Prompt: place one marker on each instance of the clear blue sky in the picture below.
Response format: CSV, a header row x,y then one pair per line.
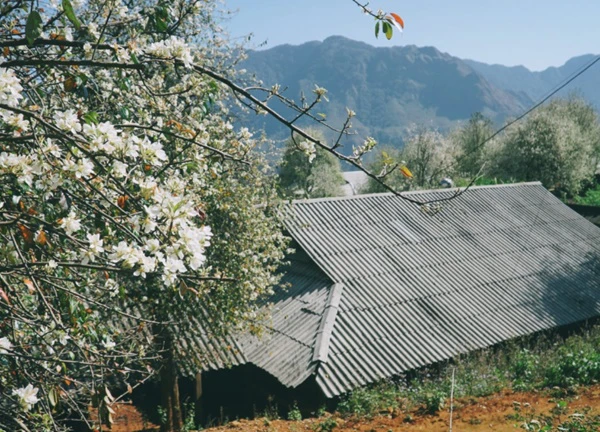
x,y
533,33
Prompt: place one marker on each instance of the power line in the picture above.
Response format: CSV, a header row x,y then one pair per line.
x,y
556,89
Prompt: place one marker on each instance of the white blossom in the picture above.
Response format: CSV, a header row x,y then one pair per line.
x,y
83,168
67,121
172,267
94,248
63,338
147,265
17,121
108,344
172,48
71,224
5,345
27,396
119,169
10,88
152,152
308,147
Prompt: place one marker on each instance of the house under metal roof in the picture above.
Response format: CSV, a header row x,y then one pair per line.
x,y
378,287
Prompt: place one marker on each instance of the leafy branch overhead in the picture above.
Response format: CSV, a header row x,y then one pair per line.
x,y
384,21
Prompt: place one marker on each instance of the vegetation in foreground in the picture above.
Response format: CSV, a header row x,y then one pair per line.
x,y
544,383
560,364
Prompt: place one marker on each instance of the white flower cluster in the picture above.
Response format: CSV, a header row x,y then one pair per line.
x,y
189,249
10,88
70,223
23,167
367,146
172,48
5,345
67,121
102,137
308,148
188,244
27,396
10,94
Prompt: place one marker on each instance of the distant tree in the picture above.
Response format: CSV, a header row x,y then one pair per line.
x,y
468,143
309,172
557,145
428,154
385,158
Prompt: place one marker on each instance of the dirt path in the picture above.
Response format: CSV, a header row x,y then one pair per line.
x,y
502,412
499,413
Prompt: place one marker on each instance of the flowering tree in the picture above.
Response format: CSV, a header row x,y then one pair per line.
x,y
557,145
128,202
119,169
318,175
467,141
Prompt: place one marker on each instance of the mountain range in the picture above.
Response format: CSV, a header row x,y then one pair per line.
x,y
393,88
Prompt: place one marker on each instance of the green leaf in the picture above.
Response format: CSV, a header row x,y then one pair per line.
x,y
53,396
161,25
124,113
161,19
388,30
70,13
33,27
91,117
134,59
377,29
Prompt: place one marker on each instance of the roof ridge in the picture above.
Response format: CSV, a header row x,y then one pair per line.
x,y
321,350
414,192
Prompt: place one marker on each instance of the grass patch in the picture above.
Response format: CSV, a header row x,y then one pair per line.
x,y
591,197
528,364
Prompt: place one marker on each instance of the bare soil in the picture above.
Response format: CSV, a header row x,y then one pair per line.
x,y
502,412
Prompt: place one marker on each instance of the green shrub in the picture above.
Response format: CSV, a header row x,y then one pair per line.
x,y
434,400
591,197
294,414
526,364
326,425
523,369
368,401
574,368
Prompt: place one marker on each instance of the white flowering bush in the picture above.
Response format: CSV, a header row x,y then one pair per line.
x,y
428,153
557,145
127,201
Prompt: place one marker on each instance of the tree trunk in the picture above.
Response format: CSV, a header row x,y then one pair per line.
x,y
170,391
199,411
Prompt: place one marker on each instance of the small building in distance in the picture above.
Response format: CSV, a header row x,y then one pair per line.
x,y
378,287
355,181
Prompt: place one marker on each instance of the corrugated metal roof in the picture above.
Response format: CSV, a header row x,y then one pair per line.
x,y
379,287
496,263
212,351
286,348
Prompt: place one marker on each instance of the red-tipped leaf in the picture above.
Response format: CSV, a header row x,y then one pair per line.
x,y
397,19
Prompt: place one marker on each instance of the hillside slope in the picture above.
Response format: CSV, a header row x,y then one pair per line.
x,y
536,85
389,88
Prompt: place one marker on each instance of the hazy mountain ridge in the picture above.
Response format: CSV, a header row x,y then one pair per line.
x,y
392,88
537,84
